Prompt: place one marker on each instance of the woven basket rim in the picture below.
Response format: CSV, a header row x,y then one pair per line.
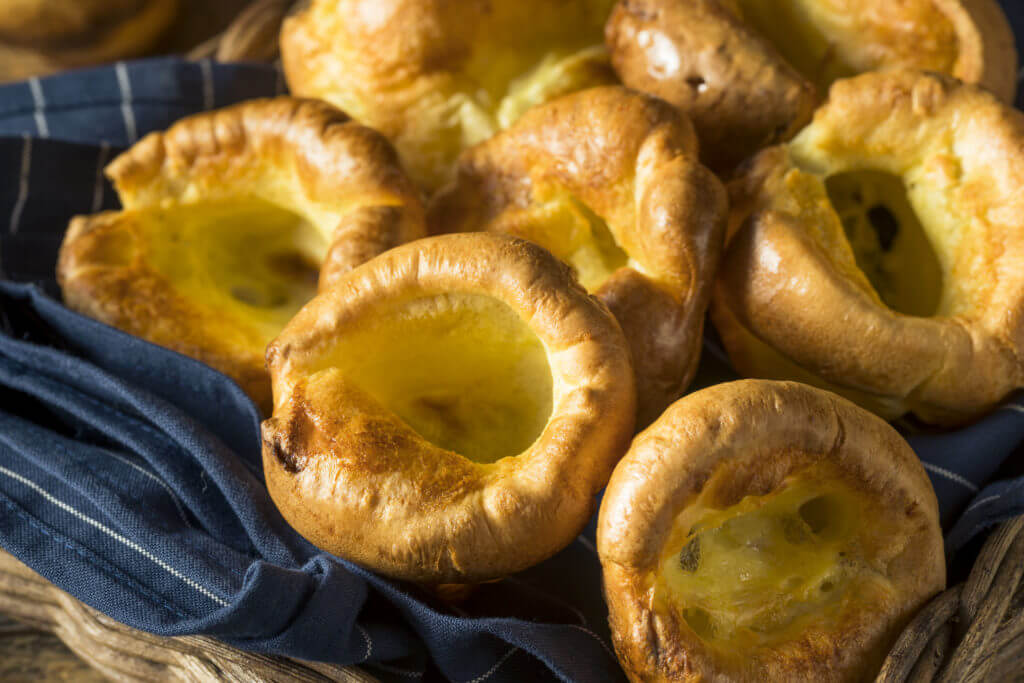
x,y
124,653
252,37
972,631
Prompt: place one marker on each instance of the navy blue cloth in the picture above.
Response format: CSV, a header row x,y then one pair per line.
x,y
130,475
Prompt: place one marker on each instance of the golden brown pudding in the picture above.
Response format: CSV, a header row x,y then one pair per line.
x,y
878,254
447,412
229,220
438,76
608,180
766,531
42,36
750,72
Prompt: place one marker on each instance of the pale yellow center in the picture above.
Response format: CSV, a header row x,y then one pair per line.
x,y
572,232
830,39
760,571
463,370
530,53
246,260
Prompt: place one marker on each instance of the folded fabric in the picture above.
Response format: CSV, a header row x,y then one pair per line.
x,y
130,475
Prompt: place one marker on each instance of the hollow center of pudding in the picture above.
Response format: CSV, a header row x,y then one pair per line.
x,y
248,260
571,231
891,246
758,571
463,370
834,39
530,53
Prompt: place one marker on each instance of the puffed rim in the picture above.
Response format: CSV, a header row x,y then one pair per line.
x,y
105,34
631,159
652,45
789,284
988,54
400,65
304,156
357,481
742,94
761,432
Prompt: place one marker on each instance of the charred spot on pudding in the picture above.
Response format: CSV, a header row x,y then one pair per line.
x,y
689,557
291,463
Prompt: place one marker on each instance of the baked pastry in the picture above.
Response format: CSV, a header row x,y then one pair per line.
x,y
448,411
749,72
42,36
766,531
608,180
228,217
879,253
437,76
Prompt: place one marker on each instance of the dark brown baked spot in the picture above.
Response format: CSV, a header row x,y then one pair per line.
x,y
689,558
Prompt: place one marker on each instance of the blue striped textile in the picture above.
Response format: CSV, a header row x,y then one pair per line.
x,y
130,475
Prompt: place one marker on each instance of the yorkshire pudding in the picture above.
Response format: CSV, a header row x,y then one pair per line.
x,y
749,72
608,180
41,36
766,531
447,412
880,253
437,76
227,218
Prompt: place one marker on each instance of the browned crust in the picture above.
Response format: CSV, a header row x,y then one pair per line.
x,y
988,53
41,36
301,155
701,57
757,433
782,281
403,66
132,297
357,481
630,158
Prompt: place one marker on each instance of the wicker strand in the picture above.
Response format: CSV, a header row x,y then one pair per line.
x,y
974,631
125,654
967,663
252,37
913,644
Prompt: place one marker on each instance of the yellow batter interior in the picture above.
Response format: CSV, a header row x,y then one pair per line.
x,y
249,260
760,571
463,370
529,53
888,240
830,39
571,231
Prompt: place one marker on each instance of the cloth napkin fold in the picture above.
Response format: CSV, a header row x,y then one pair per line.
x,y
130,475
